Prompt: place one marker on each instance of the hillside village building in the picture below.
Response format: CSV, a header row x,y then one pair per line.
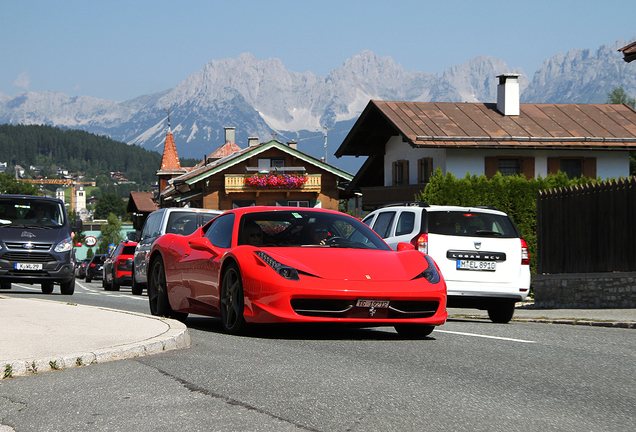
x,y
233,177
407,141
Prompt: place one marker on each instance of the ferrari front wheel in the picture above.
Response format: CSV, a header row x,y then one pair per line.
x,y
232,301
414,331
158,293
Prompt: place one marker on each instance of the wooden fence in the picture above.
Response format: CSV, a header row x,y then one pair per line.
x,y
587,229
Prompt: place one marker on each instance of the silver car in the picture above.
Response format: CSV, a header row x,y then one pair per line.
x,y
175,220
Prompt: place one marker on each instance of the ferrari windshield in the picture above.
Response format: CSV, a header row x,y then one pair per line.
x,y
305,228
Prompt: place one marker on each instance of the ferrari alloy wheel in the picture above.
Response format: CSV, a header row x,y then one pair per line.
x,y
47,288
68,288
232,301
414,331
158,294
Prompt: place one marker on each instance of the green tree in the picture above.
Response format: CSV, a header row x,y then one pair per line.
x,y
111,234
110,203
619,96
9,185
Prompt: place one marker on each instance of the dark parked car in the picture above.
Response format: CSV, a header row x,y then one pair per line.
x,y
36,244
80,268
94,269
118,266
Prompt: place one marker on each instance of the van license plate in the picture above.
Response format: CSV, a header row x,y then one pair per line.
x,y
476,265
28,266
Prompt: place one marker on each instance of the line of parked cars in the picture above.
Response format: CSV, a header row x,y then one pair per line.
x,y
475,253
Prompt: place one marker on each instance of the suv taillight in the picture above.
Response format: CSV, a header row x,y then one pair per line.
x,y
525,256
421,242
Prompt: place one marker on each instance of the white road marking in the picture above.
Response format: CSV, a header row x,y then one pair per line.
x,y
485,336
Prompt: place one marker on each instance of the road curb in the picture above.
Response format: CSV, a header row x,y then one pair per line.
x,y
567,321
176,337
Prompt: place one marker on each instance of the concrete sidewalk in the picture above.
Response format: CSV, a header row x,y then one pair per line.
x,y
526,311
43,335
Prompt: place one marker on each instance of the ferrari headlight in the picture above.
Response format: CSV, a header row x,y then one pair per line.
x,y
64,246
285,271
431,274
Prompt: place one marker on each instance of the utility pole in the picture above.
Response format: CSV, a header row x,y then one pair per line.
x,y
325,136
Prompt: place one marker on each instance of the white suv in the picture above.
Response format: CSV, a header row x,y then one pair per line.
x,y
479,250
175,220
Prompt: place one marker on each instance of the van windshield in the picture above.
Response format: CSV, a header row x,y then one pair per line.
x,y
34,213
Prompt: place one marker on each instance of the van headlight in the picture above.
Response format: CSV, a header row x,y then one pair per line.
x,y
65,245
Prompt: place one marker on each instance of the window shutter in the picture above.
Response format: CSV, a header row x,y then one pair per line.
x,y
588,168
554,165
527,167
406,178
491,166
394,173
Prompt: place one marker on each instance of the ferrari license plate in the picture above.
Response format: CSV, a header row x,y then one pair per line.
x,y
476,265
380,304
28,266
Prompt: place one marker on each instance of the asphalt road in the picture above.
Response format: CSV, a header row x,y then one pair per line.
x,y
468,376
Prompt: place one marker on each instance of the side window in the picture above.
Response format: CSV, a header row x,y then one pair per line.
x,y
207,217
368,220
151,226
405,223
383,224
220,231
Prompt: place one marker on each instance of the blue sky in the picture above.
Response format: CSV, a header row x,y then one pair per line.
x,y
122,49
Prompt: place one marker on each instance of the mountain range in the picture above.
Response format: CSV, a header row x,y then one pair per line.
x,y
260,98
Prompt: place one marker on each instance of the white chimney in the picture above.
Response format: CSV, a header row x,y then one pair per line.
x,y
230,134
293,144
252,141
508,94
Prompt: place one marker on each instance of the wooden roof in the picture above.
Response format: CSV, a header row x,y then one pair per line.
x,y
480,125
629,52
141,202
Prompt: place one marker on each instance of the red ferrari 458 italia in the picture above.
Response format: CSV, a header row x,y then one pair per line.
x,y
289,265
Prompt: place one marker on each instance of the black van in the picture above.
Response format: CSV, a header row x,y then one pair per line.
x,y
36,243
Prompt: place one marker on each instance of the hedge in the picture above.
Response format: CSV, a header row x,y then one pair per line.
x,y
513,194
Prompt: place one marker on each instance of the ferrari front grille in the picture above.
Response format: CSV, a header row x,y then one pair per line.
x,y
336,308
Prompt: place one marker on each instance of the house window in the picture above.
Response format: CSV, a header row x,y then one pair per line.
x,y
400,173
243,203
298,203
270,163
510,166
425,170
572,167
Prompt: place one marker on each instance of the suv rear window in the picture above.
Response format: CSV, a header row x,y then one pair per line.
x,y
128,250
471,224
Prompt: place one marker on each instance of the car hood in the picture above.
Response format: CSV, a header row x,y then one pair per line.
x,y
351,264
34,235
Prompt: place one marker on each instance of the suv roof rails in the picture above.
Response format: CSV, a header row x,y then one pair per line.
x,y
407,204
487,207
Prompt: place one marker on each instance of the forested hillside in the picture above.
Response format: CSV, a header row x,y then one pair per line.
x,y
78,152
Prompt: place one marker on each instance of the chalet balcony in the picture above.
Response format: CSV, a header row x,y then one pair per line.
x,y
377,196
237,183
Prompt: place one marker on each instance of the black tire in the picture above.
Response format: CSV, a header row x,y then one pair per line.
x,y
5,286
158,294
232,301
88,280
47,288
414,331
137,288
68,288
501,311
114,286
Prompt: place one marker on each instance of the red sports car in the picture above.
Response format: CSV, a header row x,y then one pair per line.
x,y
286,265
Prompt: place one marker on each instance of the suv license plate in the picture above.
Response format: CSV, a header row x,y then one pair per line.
x,y
28,266
476,265
381,304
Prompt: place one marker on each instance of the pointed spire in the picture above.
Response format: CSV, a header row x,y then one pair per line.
x,y
170,159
